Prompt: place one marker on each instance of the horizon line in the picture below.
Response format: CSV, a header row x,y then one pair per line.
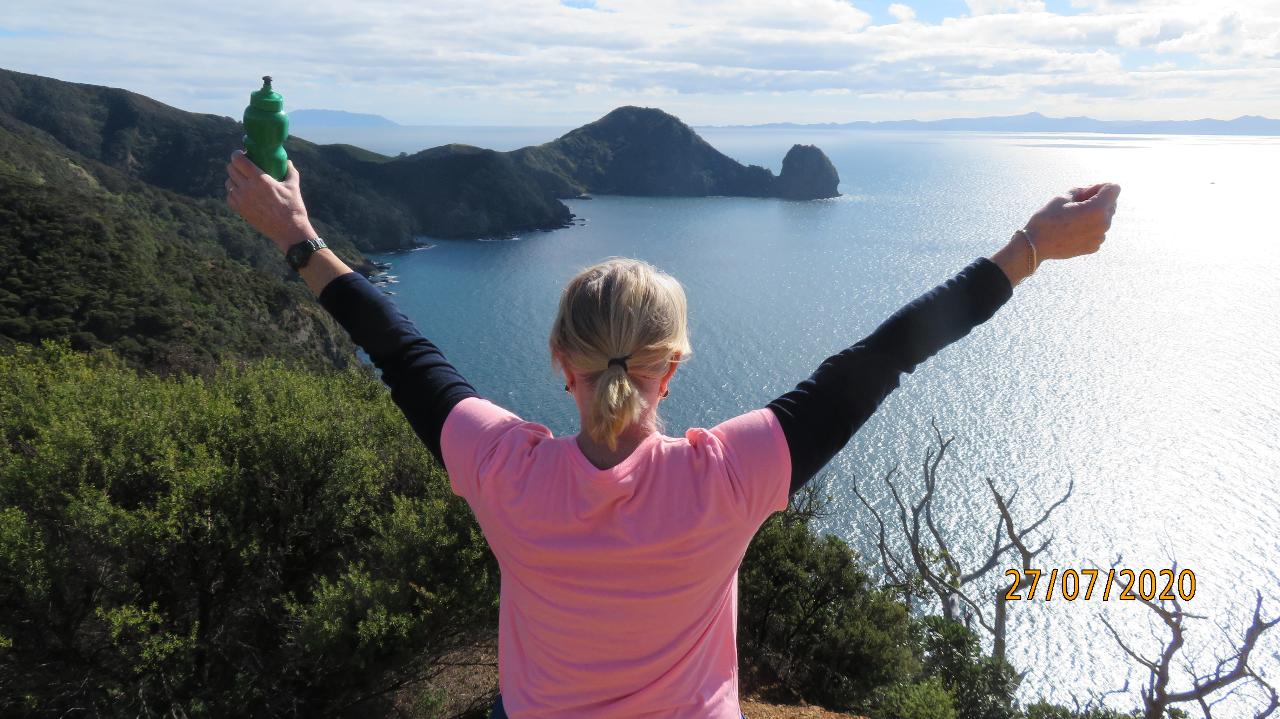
x,y
1033,114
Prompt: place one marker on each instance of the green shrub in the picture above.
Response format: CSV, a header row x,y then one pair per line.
x,y
1044,710
928,699
261,542
983,687
812,625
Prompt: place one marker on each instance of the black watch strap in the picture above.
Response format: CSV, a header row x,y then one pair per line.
x,y
300,253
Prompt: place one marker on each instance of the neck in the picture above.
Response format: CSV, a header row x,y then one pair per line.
x,y
599,454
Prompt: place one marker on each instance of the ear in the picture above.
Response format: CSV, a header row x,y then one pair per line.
x,y
557,360
671,370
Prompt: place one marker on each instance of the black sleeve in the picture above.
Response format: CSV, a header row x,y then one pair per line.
x,y
423,383
820,415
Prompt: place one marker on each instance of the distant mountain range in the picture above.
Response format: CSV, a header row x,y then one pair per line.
x,y
1029,122
1035,122
337,118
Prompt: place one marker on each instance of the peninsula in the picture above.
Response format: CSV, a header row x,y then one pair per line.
x,y
383,203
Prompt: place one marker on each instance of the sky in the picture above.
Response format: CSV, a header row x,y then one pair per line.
x,y
566,62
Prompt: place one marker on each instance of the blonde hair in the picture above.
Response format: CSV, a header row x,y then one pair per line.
x,y
619,308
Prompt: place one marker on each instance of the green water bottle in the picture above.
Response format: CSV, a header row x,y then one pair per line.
x,y
265,128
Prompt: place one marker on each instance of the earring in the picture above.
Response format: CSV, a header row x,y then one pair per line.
x,y
566,388
665,392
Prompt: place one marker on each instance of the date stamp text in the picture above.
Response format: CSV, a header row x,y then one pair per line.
x,y
1122,584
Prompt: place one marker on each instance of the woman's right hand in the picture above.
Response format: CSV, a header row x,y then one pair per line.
x,y
274,208
1074,224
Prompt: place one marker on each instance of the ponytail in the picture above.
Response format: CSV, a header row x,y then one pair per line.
x,y
616,405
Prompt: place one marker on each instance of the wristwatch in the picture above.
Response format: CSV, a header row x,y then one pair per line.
x,y
300,254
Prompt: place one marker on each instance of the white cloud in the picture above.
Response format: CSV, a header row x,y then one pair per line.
x,y
902,13
989,7
538,61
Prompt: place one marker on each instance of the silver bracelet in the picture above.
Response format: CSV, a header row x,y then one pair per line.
x,y
1033,262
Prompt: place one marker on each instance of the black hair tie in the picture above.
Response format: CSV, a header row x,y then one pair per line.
x,y
619,361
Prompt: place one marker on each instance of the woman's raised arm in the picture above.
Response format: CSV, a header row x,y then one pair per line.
x,y
422,382
821,414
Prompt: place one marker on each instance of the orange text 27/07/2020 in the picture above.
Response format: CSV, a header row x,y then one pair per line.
x,y
1123,584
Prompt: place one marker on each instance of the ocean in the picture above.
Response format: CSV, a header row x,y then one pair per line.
x,y
1147,376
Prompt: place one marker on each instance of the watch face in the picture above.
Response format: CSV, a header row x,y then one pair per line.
x,y
300,253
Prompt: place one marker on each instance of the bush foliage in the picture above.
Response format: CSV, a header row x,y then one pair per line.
x,y
983,687
265,541
812,624
814,627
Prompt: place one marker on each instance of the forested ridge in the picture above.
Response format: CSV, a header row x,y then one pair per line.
x,y
172,283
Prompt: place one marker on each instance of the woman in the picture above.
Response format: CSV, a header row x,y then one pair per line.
x,y
619,546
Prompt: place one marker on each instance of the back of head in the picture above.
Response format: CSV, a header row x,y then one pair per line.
x,y
620,308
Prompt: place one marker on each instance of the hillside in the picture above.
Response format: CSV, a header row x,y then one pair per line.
x,y
381,203
358,195
171,282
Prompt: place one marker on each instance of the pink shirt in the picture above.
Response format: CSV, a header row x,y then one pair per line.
x,y
619,586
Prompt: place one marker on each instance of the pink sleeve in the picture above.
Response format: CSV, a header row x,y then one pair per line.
x,y
471,439
759,461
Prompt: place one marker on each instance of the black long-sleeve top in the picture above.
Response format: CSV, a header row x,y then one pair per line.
x,y
818,417
422,382
821,414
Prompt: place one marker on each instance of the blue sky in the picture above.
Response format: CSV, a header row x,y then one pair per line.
x,y
562,62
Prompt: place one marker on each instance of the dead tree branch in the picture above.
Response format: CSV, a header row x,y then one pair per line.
x,y
1228,672
917,557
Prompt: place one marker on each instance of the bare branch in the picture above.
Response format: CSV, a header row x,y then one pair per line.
x,y
1228,672
1211,683
924,557
1126,648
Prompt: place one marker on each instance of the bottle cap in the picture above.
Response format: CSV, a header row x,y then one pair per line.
x,y
266,98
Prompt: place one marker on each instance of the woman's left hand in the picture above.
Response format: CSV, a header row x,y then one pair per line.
x,y
272,207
